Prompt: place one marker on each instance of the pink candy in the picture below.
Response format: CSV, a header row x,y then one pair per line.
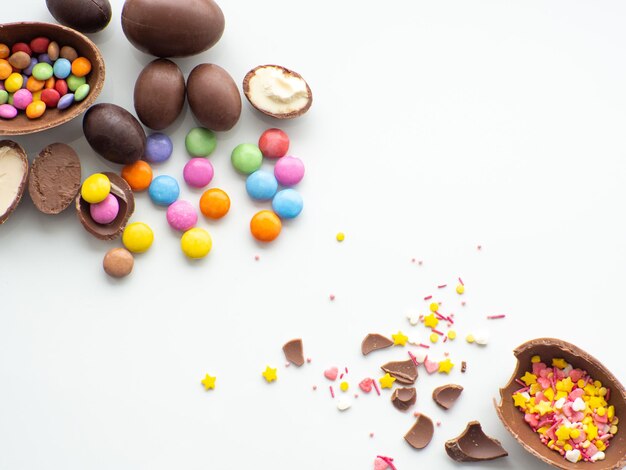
x,y
181,215
7,111
331,373
106,211
198,172
289,171
22,98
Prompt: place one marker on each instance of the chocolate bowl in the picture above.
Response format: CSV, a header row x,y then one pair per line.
x,y
12,33
513,418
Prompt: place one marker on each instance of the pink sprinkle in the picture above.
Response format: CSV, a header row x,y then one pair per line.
x,y
332,297
356,395
608,394
256,258
461,281
332,392
314,387
445,338
440,316
438,423
388,461
412,260
413,358
495,317
428,297
371,434
522,390
479,247
308,359
341,377
376,387
520,382
420,262
287,364
463,303
437,331
346,369
422,345
442,286
446,354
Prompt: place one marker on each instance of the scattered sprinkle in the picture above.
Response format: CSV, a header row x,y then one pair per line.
x,y
445,366
257,258
340,237
428,297
343,404
442,286
399,339
314,387
331,373
344,386
332,392
434,337
451,334
463,366
495,317
308,360
332,297
460,289
434,306
470,338
461,282
208,382
269,374
386,381
376,387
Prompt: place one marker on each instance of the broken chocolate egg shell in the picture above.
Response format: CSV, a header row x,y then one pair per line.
x,y
126,199
13,177
420,435
446,395
294,352
405,372
403,398
374,342
513,419
277,91
473,445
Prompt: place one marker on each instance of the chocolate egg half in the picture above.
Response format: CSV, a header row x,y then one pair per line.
x,y
86,16
13,177
159,94
513,419
213,97
172,28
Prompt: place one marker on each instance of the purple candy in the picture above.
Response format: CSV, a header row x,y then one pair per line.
x,y
159,148
7,111
2,85
106,211
22,98
181,215
29,70
45,58
198,172
66,101
289,171
24,80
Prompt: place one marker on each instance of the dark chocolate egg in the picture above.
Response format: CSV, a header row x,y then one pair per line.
x,y
213,97
172,28
159,94
86,16
114,133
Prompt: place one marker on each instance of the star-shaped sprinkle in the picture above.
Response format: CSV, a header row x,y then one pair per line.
x,y
565,385
544,407
208,382
270,374
560,363
399,339
386,381
529,378
446,366
563,433
520,400
431,321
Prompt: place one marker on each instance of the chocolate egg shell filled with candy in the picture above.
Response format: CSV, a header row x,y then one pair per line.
x,y
13,177
513,419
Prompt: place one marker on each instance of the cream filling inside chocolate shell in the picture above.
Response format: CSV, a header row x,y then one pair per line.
x,y
11,175
277,92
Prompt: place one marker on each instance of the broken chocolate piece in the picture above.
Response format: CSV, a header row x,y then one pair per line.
x,y
405,372
404,398
294,352
374,342
473,445
463,366
13,177
446,395
421,433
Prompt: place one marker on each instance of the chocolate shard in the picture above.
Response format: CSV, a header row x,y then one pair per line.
x,y
294,352
446,395
420,435
403,398
374,342
473,445
405,372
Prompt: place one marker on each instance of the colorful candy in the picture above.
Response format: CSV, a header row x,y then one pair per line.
x,y
200,142
181,215
137,237
287,204
138,175
246,158
289,171
95,188
265,226
106,211
214,203
196,243
198,172
164,190
274,143
159,148
261,185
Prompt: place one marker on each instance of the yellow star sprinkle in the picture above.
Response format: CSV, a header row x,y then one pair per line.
x,y
529,378
208,382
535,359
560,363
549,394
520,400
563,433
387,381
434,307
566,385
270,374
431,321
399,339
544,407
446,366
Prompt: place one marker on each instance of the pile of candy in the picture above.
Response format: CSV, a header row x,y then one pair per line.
x,y
40,75
568,409
104,206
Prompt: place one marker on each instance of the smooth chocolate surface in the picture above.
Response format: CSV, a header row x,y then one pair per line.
x,y
118,262
473,445
172,28
405,372
404,398
446,395
294,352
159,94
421,433
54,178
213,97
14,197
86,16
114,133
121,190
374,342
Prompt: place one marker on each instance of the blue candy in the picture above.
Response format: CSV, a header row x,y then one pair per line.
x,y
66,101
163,190
29,70
159,148
287,204
62,68
261,185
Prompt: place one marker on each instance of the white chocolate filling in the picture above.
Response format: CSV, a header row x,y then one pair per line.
x,y
12,171
277,92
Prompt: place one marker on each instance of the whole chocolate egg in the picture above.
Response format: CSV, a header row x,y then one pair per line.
x,y
114,133
86,16
159,94
213,97
172,28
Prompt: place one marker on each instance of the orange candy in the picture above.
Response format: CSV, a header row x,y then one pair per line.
x,y
265,226
6,69
49,84
81,67
138,175
5,52
214,203
35,109
33,85
37,96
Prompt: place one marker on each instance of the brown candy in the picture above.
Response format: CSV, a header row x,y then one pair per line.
x,y
118,262
473,445
374,342
69,53
20,60
404,398
14,171
405,372
446,395
294,352
420,435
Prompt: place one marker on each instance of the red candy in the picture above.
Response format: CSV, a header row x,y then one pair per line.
x,y
274,143
40,45
61,87
21,46
51,97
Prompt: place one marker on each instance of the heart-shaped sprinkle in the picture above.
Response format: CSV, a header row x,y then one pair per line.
x,y
431,366
578,405
331,373
366,385
573,455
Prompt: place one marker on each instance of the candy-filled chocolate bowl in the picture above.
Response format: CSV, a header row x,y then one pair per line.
x,y
50,74
565,407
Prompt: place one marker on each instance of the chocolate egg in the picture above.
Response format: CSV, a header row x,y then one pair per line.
x,y
114,133
172,28
213,97
86,16
54,178
13,177
159,94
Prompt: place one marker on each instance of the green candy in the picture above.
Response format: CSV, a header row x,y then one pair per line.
x,y
4,97
42,71
81,92
246,158
73,82
200,142
10,100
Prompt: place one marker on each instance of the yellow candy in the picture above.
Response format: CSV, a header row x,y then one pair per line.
x,y
14,82
434,337
586,444
344,386
535,359
600,444
196,243
543,429
549,394
96,188
560,395
137,237
529,378
431,321
580,383
602,391
560,363
601,411
460,289
613,429
567,447
574,433
563,433
470,338
610,413
520,400
434,307
597,383
592,431
341,237
451,334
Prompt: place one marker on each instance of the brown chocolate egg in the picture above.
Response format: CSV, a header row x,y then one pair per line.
x,y
213,97
172,28
114,133
159,94
513,419
13,177
86,16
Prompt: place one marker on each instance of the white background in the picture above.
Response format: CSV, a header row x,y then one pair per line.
x,y
436,127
